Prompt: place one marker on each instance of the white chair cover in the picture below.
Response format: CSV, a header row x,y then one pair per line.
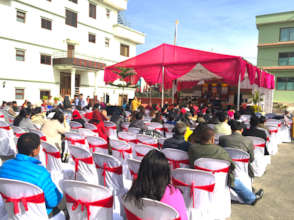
x,y
216,138
245,119
84,166
278,124
176,158
3,212
197,187
7,143
273,140
111,129
40,133
10,118
169,134
152,210
87,132
134,130
125,126
156,126
134,166
2,116
222,197
141,150
88,202
75,139
147,140
161,142
285,133
91,127
128,137
75,125
168,127
17,190
241,160
18,131
53,163
120,149
97,144
260,160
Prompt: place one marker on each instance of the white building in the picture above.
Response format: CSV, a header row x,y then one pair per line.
x,y
58,47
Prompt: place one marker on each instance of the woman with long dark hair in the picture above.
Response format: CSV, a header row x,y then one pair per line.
x,y
23,119
154,182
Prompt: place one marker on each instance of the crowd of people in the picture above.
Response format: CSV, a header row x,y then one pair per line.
x,y
195,129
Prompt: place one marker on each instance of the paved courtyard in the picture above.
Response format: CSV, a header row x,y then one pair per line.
x,y
278,185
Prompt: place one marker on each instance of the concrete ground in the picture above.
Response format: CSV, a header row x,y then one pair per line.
x,y
278,184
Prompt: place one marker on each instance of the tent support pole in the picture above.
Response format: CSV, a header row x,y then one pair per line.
x,y
173,91
162,87
239,88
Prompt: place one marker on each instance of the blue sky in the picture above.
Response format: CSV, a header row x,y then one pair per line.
x,y
222,26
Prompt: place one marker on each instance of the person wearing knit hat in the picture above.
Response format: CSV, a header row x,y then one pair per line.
x,y
76,116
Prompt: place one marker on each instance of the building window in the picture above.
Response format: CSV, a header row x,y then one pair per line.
x,y
46,24
92,38
285,83
107,12
107,41
287,34
44,94
124,50
286,59
45,59
71,18
92,10
19,93
20,55
74,1
20,16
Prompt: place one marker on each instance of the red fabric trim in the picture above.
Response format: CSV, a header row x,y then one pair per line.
x,y
152,145
74,141
87,160
123,151
245,160
135,141
176,163
94,146
224,170
53,154
5,127
105,168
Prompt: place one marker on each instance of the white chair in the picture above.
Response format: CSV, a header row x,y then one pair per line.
x,y
176,158
10,118
18,131
134,166
260,160
88,202
3,212
152,210
161,142
2,116
147,140
134,130
7,144
84,166
157,127
87,132
128,137
222,197
75,125
120,149
24,201
110,129
273,140
168,127
141,150
75,139
241,160
91,127
216,138
197,187
97,144
285,133
125,126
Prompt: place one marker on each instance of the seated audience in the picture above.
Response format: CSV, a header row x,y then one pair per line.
x,y
25,167
23,120
207,149
76,116
117,118
222,127
177,141
97,120
12,109
138,122
255,132
38,118
157,118
154,182
54,129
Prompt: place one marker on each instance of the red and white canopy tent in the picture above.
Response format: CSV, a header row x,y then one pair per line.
x,y
166,63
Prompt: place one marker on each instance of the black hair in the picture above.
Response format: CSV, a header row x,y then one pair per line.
x,y
236,125
253,122
27,143
262,119
153,177
22,114
180,128
222,116
237,115
139,115
195,136
37,110
206,134
58,116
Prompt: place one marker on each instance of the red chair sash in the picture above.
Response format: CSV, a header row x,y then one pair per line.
x,y
76,141
78,127
37,199
135,141
105,203
224,170
94,146
18,134
139,154
53,154
43,138
1,116
105,168
134,175
245,160
259,145
273,131
123,151
159,129
131,216
208,188
149,144
87,160
5,127
176,163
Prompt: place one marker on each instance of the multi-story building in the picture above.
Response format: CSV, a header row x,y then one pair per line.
x,y
276,51
58,47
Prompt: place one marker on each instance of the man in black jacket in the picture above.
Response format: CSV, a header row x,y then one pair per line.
x,y
178,141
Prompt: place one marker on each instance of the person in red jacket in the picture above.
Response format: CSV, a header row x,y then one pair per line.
x,y
97,120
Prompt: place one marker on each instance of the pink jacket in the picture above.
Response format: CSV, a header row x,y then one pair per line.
x,y
174,198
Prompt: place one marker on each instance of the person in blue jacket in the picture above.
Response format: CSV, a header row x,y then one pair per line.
x,y
25,167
